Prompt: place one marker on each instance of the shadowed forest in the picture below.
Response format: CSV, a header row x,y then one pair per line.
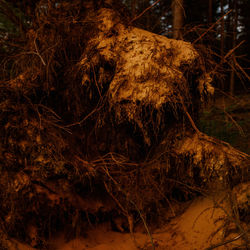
x,y
124,124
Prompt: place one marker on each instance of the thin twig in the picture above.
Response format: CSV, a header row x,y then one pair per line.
x,y
230,52
211,27
225,242
201,213
145,224
233,49
143,12
96,83
189,117
96,109
123,209
192,122
50,110
231,218
226,94
37,53
116,201
242,70
235,123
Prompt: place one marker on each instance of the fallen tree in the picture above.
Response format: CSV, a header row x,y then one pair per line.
x,y
100,121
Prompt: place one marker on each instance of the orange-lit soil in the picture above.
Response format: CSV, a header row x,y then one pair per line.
x,y
199,227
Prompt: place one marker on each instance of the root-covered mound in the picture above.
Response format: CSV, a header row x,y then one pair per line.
x,y
99,122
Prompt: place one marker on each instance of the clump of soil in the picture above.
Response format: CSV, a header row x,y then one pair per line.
x,y
86,141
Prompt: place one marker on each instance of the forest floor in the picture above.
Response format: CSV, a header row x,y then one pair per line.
x,y
203,221
199,227
228,119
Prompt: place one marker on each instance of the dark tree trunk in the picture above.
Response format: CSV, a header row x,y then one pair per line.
x,y
133,8
222,30
234,40
178,17
210,12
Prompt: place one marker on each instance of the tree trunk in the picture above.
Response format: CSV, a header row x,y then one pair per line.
x,y
234,39
222,31
178,16
133,8
210,12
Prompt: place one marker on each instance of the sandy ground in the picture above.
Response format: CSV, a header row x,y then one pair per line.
x,y
196,229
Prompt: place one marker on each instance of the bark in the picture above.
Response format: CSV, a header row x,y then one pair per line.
x,y
234,39
133,8
210,12
222,31
178,16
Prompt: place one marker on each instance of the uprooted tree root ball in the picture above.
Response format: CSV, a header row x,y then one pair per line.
x,y
99,121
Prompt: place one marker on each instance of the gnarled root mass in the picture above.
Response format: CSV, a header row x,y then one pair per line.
x,y
100,121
